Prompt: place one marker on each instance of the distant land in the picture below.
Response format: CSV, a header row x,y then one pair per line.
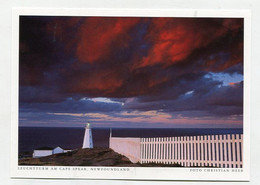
x,y
88,157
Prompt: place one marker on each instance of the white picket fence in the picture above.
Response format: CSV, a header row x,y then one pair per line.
x,y
210,150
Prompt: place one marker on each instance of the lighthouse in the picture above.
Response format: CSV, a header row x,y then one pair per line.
x,y
88,141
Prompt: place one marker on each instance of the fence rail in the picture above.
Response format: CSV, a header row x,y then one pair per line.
x,y
210,150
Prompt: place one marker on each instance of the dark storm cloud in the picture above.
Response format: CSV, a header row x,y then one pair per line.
x,y
38,51
206,99
176,40
154,60
40,94
171,49
71,106
238,68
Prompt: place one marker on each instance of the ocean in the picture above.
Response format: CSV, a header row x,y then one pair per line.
x,y
31,138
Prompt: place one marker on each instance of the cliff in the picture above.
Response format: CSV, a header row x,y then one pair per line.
x,y
87,157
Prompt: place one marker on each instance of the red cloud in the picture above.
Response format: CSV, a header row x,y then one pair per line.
x,y
234,84
98,36
97,42
101,81
93,38
216,63
173,40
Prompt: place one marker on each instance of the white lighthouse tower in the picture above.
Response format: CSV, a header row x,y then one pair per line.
x,y
88,141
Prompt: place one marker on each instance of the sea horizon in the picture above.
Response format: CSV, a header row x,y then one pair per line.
x,y
31,138
132,127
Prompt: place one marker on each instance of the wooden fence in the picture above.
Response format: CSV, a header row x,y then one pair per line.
x,y
211,150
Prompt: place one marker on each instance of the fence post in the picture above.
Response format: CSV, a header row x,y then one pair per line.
x,y
175,149
156,150
170,151
209,150
192,151
188,156
225,150
238,149
241,140
141,150
233,149
221,150
229,150
205,143
195,151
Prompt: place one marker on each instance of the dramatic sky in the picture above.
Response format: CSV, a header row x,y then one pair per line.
x,y
131,72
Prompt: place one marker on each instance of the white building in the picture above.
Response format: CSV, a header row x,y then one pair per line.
x,y
88,141
46,151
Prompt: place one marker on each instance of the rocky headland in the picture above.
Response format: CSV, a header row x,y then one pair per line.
x,y
88,157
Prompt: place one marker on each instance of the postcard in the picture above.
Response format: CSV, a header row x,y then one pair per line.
x,y
131,94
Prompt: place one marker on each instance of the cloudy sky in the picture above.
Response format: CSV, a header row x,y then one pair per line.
x,y
131,72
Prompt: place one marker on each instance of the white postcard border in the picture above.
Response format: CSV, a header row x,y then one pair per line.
x,y
144,173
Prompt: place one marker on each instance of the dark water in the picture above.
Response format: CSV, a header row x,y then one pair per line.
x,y
31,138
